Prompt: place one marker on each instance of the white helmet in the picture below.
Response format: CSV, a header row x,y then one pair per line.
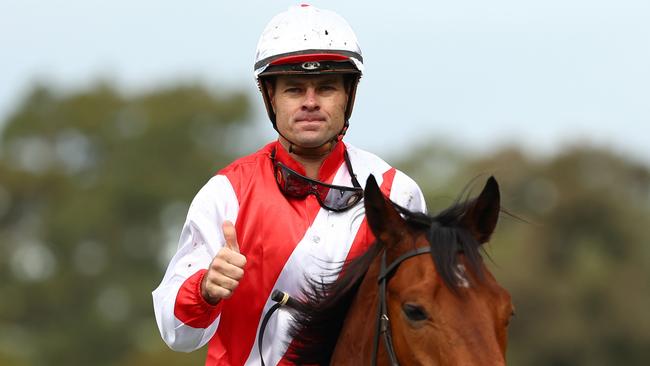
x,y
308,40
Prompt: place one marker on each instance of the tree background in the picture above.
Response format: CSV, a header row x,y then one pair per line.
x,y
94,186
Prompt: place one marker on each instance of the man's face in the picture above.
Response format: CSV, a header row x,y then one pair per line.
x,y
309,109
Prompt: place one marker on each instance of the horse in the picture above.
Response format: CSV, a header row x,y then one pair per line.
x,y
393,305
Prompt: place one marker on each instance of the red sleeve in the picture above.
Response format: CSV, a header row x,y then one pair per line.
x,y
191,308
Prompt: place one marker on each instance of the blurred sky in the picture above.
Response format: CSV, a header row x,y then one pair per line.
x,y
474,73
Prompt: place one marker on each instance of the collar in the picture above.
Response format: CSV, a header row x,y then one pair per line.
x,y
328,168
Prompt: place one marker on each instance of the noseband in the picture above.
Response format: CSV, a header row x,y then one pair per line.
x,y
383,323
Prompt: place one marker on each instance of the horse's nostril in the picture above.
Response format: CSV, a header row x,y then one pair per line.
x,y
415,312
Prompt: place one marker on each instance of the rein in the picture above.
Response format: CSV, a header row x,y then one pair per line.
x,y
383,322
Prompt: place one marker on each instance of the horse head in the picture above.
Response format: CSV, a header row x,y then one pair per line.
x,y
421,295
445,308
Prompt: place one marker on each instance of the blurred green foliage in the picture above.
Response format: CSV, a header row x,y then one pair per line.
x,y
576,258
94,187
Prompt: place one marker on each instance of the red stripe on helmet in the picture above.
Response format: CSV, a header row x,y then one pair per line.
x,y
293,59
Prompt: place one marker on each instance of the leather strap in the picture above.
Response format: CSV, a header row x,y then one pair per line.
x,y
382,326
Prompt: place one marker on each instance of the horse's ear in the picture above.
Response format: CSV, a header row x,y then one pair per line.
x,y
483,212
382,217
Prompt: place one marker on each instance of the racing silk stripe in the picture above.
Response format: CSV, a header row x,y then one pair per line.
x,y
364,236
269,226
319,255
362,240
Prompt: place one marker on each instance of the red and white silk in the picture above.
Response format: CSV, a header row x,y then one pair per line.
x,y
283,240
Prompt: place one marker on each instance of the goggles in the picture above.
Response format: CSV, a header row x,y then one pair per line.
x,y
331,197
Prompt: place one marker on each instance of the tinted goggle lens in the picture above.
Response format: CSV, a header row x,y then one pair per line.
x,y
331,197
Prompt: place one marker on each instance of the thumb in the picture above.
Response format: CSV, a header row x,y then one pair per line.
x,y
230,235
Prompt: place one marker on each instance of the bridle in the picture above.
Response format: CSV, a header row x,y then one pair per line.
x,y
383,322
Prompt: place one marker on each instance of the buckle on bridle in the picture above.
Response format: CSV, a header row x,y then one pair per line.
x,y
384,323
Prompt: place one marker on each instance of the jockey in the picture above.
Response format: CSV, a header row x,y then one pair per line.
x,y
290,211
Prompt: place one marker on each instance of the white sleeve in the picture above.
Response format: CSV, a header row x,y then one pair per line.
x,y
406,193
201,239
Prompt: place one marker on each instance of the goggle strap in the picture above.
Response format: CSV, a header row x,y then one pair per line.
x,y
348,165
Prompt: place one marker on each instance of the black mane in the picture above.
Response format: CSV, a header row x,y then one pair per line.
x,y
324,305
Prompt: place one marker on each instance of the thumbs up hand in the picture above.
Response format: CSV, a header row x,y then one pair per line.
x,y
226,269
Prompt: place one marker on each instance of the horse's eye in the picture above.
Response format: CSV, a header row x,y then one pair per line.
x,y
414,312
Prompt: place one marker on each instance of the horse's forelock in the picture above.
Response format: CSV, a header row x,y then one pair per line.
x,y
448,237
